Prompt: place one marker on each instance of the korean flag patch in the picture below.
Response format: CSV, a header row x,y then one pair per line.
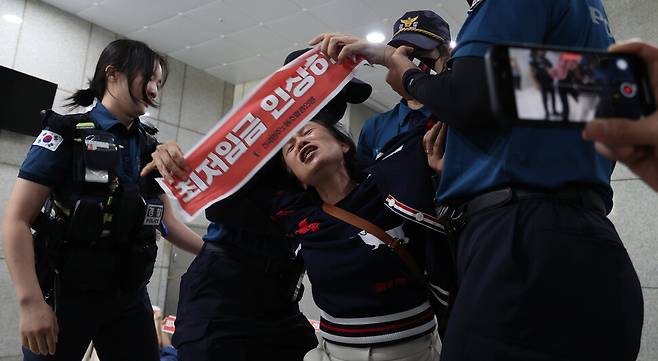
x,y
49,140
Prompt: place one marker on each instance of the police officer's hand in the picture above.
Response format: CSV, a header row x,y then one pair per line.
x,y
38,327
168,159
434,145
634,143
341,46
398,64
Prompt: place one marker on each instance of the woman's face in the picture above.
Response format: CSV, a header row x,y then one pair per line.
x,y
314,153
139,107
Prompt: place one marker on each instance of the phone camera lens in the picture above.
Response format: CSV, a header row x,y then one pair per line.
x,y
622,64
629,90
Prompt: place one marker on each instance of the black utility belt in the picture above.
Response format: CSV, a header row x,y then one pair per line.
x,y
584,197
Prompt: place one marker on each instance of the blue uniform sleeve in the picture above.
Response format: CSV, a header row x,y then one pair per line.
x,y
168,353
499,21
364,148
47,166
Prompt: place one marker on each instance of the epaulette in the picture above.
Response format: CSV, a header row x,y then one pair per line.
x,y
64,125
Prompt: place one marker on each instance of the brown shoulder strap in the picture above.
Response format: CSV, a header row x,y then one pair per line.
x,y
392,243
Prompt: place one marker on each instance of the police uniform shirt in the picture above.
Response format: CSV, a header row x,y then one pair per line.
x,y
481,160
53,167
381,128
362,288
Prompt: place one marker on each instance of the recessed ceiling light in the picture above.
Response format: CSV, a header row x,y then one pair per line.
x,y
260,23
375,37
145,27
453,44
180,14
224,64
304,9
14,19
187,47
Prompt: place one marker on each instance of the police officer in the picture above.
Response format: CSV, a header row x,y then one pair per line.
x,y
542,273
94,244
429,35
540,66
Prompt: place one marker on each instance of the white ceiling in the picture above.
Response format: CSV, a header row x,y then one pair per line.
x,y
243,40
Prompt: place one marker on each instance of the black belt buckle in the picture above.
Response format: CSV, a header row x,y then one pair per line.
x,y
452,218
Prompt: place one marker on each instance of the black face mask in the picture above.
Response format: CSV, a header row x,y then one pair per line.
x,y
431,63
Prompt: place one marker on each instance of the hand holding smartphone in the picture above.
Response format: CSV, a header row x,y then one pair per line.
x,y
544,86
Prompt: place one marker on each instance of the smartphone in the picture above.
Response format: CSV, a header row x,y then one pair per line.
x,y
533,85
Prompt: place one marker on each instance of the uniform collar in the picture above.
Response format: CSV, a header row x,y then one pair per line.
x,y
404,110
106,120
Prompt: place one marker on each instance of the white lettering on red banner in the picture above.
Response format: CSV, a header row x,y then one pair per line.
x,y
246,138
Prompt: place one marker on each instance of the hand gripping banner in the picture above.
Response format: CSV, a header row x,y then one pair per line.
x,y
255,130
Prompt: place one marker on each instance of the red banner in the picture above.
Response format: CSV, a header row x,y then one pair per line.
x,y
254,131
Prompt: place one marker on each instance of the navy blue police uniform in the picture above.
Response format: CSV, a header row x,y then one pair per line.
x,y
542,272
98,231
237,300
380,128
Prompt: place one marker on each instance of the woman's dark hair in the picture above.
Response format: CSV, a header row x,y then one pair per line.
x,y
130,57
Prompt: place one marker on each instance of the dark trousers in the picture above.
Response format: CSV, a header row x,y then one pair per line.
x,y
234,306
121,328
543,280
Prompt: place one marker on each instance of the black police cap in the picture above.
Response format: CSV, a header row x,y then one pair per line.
x,y
422,29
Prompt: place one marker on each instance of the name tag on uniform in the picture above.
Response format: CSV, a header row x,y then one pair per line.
x,y
96,175
153,214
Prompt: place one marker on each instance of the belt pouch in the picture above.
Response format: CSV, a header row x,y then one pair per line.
x,y
130,208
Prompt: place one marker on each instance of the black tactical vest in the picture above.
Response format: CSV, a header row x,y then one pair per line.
x,y
107,226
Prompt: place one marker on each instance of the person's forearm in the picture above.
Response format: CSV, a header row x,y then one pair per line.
x,y
19,255
458,97
183,237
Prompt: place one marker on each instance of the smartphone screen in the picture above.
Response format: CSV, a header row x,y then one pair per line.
x,y
575,87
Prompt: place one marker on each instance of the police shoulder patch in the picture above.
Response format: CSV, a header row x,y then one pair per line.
x,y
48,140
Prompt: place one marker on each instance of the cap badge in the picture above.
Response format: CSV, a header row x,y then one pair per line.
x,y
409,22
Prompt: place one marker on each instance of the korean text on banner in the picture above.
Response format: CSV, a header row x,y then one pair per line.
x,y
254,131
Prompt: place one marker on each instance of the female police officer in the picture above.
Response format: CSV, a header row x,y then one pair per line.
x,y
94,244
